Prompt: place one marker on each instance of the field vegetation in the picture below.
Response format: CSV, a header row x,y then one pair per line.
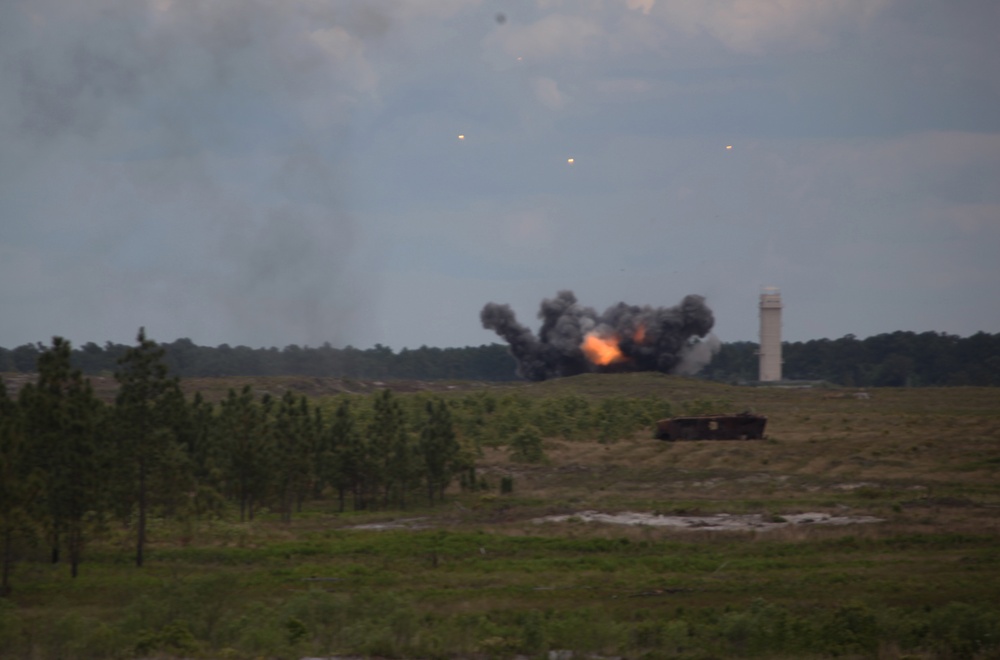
x,y
391,568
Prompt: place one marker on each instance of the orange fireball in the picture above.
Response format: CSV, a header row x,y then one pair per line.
x,y
602,350
640,334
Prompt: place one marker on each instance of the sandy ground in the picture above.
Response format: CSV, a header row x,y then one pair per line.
x,y
717,522
401,523
720,522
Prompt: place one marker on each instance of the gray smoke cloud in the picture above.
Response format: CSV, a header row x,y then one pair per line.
x,y
665,339
193,159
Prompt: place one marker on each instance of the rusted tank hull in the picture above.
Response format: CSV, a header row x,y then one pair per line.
x,y
712,427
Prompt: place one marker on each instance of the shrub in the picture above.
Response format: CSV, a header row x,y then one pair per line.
x,y
964,630
526,446
174,638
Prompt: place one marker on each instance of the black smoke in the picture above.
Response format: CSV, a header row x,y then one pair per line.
x,y
663,339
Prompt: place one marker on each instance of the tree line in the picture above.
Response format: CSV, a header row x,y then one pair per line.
x,y
187,360
892,359
897,359
71,465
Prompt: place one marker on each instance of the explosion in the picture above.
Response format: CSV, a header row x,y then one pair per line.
x,y
574,339
601,350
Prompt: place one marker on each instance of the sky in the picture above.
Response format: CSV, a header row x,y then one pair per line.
x,y
362,172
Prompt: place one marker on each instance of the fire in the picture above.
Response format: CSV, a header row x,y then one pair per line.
x,y
602,350
640,334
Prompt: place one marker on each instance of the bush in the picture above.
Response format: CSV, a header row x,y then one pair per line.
x,y
174,638
964,630
526,446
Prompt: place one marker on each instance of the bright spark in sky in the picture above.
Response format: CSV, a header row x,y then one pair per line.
x,y
570,160
728,147
461,137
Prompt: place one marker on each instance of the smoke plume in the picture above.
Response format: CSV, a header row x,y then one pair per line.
x,y
574,339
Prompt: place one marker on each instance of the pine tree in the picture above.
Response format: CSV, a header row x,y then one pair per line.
x,y
404,468
244,448
390,450
193,427
61,419
145,408
295,446
343,456
19,485
439,448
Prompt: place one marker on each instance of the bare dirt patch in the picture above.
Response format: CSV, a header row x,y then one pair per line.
x,y
400,523
719,522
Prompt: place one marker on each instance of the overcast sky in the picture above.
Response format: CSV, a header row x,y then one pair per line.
x,y
269,173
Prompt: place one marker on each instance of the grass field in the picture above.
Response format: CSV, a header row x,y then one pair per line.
x,y
480,577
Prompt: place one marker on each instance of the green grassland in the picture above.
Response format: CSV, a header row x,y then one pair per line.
x,y
479,577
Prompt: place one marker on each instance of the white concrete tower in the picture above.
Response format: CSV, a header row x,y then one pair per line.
x,y
770,334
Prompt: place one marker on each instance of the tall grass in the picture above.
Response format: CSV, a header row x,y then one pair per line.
x,y
485,581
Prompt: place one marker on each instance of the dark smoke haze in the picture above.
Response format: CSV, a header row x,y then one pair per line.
x,y
193,155
649,338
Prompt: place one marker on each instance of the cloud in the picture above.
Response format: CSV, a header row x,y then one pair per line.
x,y
438,9
75,67
187,156
268,173
760,26
548,93
756,27
552,37
346,52
936,166
622,89
646,6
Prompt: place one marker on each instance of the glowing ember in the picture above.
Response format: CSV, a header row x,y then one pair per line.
x,y
602,350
